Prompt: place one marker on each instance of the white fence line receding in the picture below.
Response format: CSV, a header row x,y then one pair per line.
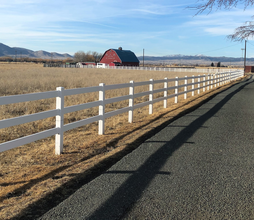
x,y
196,83
165,69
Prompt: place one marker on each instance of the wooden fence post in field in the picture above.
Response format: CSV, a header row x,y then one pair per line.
x,y
151,97
59,121
193,85
185,87
176,90
165,92
102,108
214,82
198,84
131,101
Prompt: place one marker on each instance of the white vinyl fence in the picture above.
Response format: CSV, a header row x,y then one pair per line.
x,y
166,69
196,83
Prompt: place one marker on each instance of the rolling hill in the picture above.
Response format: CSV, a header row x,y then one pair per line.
x,y
22,52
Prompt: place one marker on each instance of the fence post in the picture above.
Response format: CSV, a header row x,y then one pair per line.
x,y
176,90
204,82
151,97
131,101
214,82
198,84
211,81
165,92
59,121
185,87
101,108
193,85
208,81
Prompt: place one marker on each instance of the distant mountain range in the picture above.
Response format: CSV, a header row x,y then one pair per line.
x,y
196,59
19,52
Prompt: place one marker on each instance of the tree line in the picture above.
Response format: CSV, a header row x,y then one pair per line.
x,y
90,56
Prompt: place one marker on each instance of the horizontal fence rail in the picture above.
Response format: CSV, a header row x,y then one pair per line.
x,y
165,69
196,83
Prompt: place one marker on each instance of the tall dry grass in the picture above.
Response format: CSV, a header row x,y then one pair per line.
x,y
29,78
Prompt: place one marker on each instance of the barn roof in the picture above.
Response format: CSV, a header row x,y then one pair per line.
x,y
126,55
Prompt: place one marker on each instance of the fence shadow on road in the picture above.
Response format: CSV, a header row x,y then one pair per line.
x,y
141,178
137,182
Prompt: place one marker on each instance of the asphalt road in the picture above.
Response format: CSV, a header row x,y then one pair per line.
x,y
200,166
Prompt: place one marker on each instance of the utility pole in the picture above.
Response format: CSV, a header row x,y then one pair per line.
x,y
143,57
245,56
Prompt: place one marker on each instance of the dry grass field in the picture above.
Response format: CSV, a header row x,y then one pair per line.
x,y
28,173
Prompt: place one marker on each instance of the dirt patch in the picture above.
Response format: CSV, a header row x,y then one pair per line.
x,y
51,179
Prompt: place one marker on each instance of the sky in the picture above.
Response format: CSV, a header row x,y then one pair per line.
x,y
160,27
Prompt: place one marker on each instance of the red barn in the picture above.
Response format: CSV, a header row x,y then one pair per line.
x,y
114,57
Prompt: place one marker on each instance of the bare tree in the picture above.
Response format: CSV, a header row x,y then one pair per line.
x,y
97,56
80,56
242,32
89,56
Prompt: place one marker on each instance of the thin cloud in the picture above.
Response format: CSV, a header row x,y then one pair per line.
x,y
218,31
219,23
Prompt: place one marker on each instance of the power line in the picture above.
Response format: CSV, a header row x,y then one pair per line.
x,y
250,43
